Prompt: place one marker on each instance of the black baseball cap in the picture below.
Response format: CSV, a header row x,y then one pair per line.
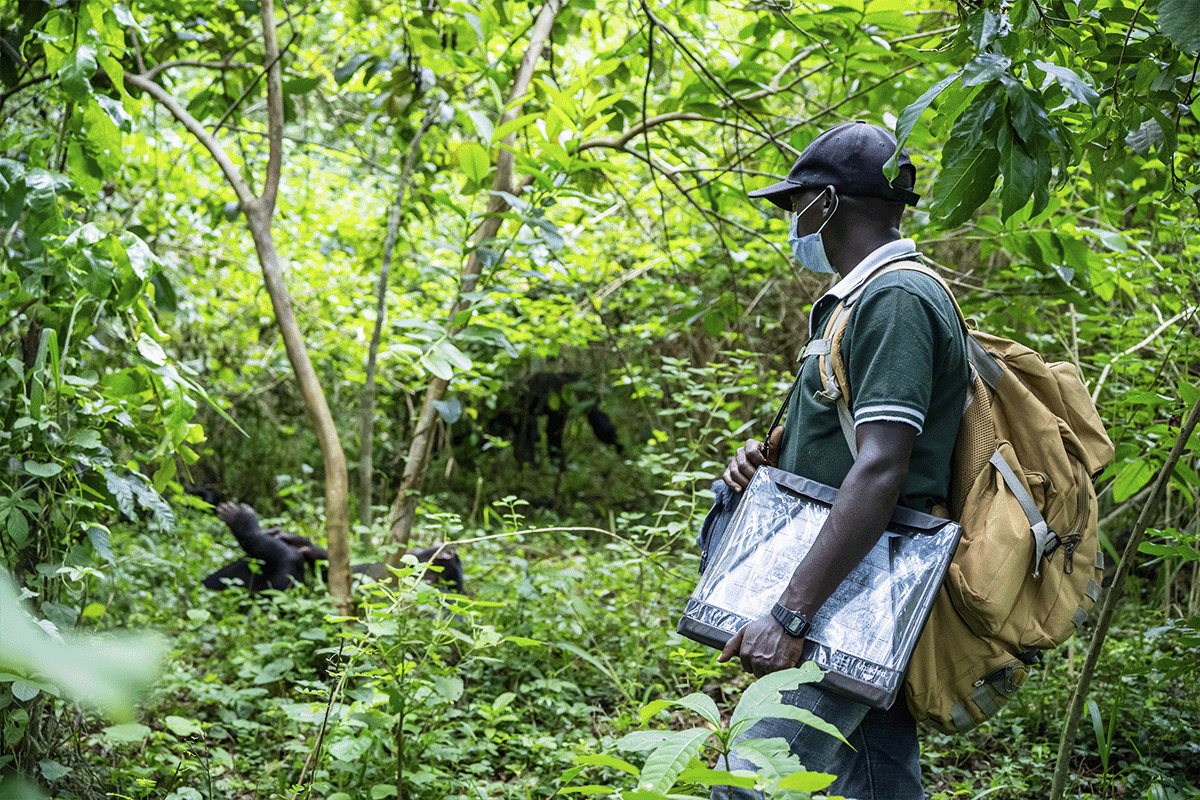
x,y
850,158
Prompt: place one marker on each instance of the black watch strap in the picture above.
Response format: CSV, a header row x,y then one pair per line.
x,y
795,625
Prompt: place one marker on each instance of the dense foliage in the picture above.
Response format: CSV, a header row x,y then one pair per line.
x,y
577,206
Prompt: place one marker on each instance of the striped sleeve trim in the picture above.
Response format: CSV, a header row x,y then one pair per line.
x,y
889,413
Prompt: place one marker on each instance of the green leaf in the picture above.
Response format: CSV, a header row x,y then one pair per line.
x,y
910,115
42,470
77,70
1071,83
983,27
473,161
182,727
670,758
127,733
1179,20
714,323
98,536
985,68
448,687
514,125
52,770
345,71
775,764
604,760
350,749
703,705
698,773
762,700
301,85
25,690
966,183
1131,478
642,740
1019,169
652,708
807,781
151,350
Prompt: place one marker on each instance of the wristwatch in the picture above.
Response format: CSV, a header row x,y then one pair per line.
x,y
795,625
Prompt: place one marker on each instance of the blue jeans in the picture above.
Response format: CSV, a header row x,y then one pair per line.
x,y
884,764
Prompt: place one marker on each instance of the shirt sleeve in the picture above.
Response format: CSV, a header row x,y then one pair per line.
x,y
896,342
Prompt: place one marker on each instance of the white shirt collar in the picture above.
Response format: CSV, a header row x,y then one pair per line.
x,y
898,250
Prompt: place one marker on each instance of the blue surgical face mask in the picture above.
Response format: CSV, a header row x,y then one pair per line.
x,y
810,250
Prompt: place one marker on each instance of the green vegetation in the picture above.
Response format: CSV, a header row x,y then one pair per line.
x,y
220,223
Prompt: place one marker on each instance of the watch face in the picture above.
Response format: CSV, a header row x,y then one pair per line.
x,y
793,624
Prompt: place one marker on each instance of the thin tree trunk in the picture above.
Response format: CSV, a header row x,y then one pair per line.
x,y
1075,714
404,508
366,467
259,212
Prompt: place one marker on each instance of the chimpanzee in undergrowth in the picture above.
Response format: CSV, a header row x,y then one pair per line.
x,y
552,395
286,558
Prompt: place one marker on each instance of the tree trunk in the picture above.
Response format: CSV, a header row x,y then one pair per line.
x,y
259,212
404,508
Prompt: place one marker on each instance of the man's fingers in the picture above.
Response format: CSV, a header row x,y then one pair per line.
x,y
731,648
743,465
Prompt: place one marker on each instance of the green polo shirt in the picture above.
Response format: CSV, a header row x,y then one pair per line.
x,y
906,361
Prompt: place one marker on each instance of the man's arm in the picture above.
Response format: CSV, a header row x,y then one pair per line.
x,y
859,516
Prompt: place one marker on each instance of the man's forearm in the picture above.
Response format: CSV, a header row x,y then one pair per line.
x,y
858,518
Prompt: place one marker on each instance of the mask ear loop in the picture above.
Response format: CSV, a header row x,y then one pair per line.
x,y
836,201
797,214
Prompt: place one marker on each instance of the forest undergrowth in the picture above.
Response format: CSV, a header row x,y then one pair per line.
x,y
563,637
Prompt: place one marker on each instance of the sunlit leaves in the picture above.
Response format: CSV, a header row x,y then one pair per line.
x,y
473,161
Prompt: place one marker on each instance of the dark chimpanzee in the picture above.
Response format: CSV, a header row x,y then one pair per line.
x,y
551,395
286,558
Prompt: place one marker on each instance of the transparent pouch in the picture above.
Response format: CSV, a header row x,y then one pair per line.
x,y
864,634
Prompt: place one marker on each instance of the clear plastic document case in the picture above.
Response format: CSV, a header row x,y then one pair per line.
x,y
864,634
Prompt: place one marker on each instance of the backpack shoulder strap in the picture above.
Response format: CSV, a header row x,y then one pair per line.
x,y
835,380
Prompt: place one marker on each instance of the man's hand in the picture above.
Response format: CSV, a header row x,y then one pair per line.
x,y
763,647
749,457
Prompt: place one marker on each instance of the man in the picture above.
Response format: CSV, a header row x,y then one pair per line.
x,y
907,368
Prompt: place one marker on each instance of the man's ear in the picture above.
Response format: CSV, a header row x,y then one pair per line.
x,y
829,201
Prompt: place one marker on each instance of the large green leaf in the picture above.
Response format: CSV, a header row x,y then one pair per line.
x,y
762,700
1019,170
1179,20
666,761
473,161
703,705
776,764
77,69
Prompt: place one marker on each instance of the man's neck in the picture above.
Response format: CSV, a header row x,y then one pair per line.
x,y
857,245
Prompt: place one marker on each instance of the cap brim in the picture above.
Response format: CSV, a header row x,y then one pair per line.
x,y
778,193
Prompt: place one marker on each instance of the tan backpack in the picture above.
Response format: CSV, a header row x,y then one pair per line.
x,y
1029,564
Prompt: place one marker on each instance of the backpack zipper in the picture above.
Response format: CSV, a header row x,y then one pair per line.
x,y
1081,520
1005,673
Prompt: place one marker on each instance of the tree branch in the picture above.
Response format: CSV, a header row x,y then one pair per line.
x,y
274,105
193,125
1190,310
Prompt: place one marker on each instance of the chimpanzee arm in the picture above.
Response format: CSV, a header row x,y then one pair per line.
x,y
282,563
